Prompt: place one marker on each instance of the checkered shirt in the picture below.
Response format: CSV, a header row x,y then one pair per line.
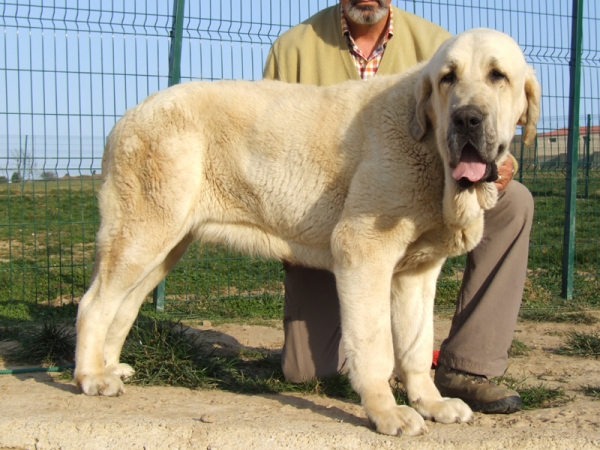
x,y
367,66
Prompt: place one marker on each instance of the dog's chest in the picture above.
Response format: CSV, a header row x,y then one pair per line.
x,y
440,243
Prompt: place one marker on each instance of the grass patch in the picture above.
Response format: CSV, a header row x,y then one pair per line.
x,y
9,332
517,349
50,344
541,396
168,353
581,344
536,397
19,313
557,316
263,375
449,284
263,307
591,391
164,353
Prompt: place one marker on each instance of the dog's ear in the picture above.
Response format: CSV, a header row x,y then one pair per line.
x,y
418,125
531,114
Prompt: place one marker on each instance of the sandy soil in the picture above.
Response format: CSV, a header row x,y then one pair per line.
x,y
39,412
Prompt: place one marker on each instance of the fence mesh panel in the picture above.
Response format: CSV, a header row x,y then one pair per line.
x,y
70,69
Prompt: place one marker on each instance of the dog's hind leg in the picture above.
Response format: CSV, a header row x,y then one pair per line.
x,y
126,269
128,311
413,293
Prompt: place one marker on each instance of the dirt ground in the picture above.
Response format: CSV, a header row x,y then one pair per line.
x,y
39,412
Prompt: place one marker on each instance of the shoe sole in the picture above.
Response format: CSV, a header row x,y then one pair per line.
x,y
507,405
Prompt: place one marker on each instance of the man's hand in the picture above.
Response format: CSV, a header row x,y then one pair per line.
x,y
505,173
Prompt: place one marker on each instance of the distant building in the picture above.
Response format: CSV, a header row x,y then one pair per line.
x,y
549,149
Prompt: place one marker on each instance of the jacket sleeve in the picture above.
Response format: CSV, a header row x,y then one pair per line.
x,y
282,62
270,71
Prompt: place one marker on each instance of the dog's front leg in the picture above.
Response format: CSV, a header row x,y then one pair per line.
x,y
413,294
363,276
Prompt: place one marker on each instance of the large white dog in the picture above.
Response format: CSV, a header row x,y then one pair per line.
x,y
376,181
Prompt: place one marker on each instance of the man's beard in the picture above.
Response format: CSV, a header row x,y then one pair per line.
x,y
366,14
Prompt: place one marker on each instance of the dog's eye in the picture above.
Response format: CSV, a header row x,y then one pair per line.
x,y
496,75
449,78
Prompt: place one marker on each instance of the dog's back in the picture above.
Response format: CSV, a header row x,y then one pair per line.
x,y
275,157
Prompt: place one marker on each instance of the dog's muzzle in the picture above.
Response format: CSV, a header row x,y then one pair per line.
x,y
467,140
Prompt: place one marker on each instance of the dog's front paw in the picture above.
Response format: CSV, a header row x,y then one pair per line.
x,y
397,421
445,410
106,384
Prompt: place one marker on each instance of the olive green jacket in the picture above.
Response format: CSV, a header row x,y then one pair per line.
x,y
316,52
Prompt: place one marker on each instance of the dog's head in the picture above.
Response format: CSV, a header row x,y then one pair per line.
x,y
474,91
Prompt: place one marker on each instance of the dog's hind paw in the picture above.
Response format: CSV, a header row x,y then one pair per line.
x,y
107,384
121,370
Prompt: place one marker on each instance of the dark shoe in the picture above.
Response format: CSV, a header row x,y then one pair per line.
x,y
477,391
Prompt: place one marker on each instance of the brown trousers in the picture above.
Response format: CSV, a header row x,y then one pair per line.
x,y
486,311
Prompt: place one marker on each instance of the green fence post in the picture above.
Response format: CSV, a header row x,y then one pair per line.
x,y
176,39
158,295
572,151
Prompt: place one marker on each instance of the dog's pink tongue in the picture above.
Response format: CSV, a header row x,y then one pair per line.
x,y
470,166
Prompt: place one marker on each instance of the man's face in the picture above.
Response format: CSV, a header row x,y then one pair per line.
x,y
365,11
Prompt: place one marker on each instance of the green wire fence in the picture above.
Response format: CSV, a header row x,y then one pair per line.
x,y
69,69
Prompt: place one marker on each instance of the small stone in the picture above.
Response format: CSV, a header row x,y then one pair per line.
x,y
207,418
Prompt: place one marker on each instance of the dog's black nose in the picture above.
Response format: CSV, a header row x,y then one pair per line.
x,y
467,119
